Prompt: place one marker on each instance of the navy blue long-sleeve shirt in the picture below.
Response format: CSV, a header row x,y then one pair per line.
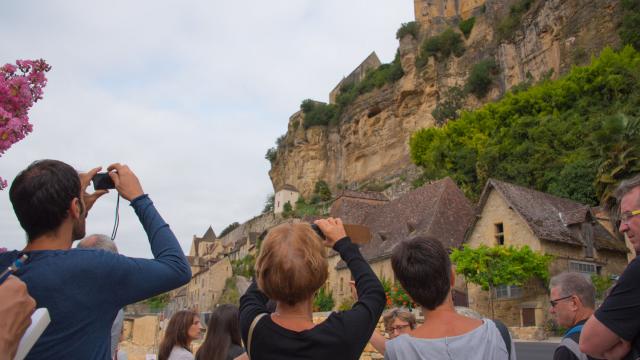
x,y
83,289
342,336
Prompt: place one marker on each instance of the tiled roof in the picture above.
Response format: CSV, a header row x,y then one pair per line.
x,y
209,234
439,210
288,187
368,195
551,218
352,211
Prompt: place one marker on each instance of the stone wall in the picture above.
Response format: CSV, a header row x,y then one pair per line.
x,y
205,289
516,231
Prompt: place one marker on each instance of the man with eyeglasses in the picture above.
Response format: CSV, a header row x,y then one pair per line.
x,y
572,303
612,332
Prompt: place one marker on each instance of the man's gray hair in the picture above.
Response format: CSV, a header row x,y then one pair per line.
x,y
625,187
100,241
573,283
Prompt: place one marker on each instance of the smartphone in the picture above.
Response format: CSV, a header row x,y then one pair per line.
x,y
102,181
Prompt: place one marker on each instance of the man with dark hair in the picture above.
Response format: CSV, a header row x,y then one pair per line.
x,y
424,270
613,331
83,290
573,299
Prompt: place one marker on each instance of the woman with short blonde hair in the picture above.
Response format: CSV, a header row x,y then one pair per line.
x,y
292,264
291,267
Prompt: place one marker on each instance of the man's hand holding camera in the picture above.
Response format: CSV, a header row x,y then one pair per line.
x,y
125,180
332,229
85,180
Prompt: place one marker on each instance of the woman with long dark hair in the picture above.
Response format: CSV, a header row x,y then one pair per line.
x,y
222,341
183,328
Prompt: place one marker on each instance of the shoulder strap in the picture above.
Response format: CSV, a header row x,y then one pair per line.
x,y
506,337
574,330
573,346
253,326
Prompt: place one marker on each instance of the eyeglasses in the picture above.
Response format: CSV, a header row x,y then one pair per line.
x,y
627,215
555,302
392,329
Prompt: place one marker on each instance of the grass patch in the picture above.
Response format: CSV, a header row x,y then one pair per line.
x,y
467,25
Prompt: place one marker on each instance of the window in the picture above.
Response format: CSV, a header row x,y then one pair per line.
x,y
508,291
583,267
500,233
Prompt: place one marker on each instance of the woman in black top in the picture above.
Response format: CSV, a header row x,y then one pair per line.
x,y
222,341
290,268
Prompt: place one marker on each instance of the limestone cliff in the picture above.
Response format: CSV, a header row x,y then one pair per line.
x,y
370,143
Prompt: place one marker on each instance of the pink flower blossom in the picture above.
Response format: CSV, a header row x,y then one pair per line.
x,y
20,87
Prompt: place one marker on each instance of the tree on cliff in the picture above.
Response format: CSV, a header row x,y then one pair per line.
x,y
20,87
490,267
321,191
552,137
269,204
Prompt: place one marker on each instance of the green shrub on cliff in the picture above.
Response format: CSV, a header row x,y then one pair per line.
x,y
449,107
467,25
410,28
509,24
317,113
481,77
630,28
553,137
441,46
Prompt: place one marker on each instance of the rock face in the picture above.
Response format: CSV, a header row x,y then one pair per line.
x,y
370,143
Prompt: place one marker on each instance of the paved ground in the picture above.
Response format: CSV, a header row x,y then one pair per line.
x,y
530,350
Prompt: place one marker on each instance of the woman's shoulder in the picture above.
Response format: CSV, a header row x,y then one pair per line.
x,y
180,353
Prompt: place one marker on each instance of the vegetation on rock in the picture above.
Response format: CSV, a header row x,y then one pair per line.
x,y
244,267
561,137
509,24
630,28
448,43
410,28
321,192
467,25
481,77
449,107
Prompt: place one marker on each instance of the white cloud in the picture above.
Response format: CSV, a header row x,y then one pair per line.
x,y
189,94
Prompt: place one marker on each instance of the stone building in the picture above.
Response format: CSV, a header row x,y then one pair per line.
x,y
439,210
205,288
508,214
205,245
287,194
358,74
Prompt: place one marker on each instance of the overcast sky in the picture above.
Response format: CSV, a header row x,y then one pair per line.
x,y
190,94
